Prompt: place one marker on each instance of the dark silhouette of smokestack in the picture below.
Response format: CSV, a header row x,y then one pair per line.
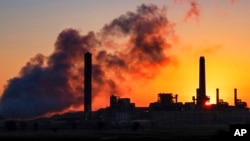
x,y
235,97
201,96
87,83
217,96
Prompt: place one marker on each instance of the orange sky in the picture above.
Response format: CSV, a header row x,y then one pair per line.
x,y
220,32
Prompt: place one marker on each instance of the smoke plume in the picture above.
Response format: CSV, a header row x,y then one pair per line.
x,y
193,11
132,47
234,1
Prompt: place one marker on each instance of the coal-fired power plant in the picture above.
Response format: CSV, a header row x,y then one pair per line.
x,y
126,55
87,83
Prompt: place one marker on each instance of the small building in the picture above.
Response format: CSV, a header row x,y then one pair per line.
x,y
166,102
120,109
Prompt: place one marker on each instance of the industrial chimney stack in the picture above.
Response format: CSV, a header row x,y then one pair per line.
x,y
235,97
201,92
87,83
217,96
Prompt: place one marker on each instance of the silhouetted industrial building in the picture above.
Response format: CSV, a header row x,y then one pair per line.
x,y
166,102
87,83
167,109
220,104
237,102
120,109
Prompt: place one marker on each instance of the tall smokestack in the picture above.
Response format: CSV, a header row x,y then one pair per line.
x,y
217,96
87,83
235,96
201,96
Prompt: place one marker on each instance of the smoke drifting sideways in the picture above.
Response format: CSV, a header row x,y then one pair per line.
x,y
133,47
193,11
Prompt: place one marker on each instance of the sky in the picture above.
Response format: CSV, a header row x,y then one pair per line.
x,y
217,30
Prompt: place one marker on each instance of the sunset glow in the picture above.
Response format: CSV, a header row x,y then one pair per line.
x,y
140,49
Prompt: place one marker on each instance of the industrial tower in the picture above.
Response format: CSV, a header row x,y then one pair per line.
x,y
87,84
201,91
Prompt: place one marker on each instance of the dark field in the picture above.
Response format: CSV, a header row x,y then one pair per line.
x,y
190,132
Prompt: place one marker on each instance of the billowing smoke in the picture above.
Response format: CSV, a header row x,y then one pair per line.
x,y
146,33
133,47
193,11
194,8
48,84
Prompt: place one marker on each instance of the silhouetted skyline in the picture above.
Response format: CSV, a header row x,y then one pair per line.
x,y
139,50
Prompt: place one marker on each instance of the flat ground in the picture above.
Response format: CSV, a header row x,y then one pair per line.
x,y
188,132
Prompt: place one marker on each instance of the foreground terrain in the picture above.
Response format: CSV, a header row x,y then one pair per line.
x,y
194,132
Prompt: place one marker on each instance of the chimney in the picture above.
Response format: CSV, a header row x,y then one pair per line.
x,y
201,93
235,97
87,83
217,96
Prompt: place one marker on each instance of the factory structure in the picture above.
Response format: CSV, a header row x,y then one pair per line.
x,y
166,114
167,109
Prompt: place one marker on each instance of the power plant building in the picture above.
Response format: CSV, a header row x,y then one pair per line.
x,y
168,109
